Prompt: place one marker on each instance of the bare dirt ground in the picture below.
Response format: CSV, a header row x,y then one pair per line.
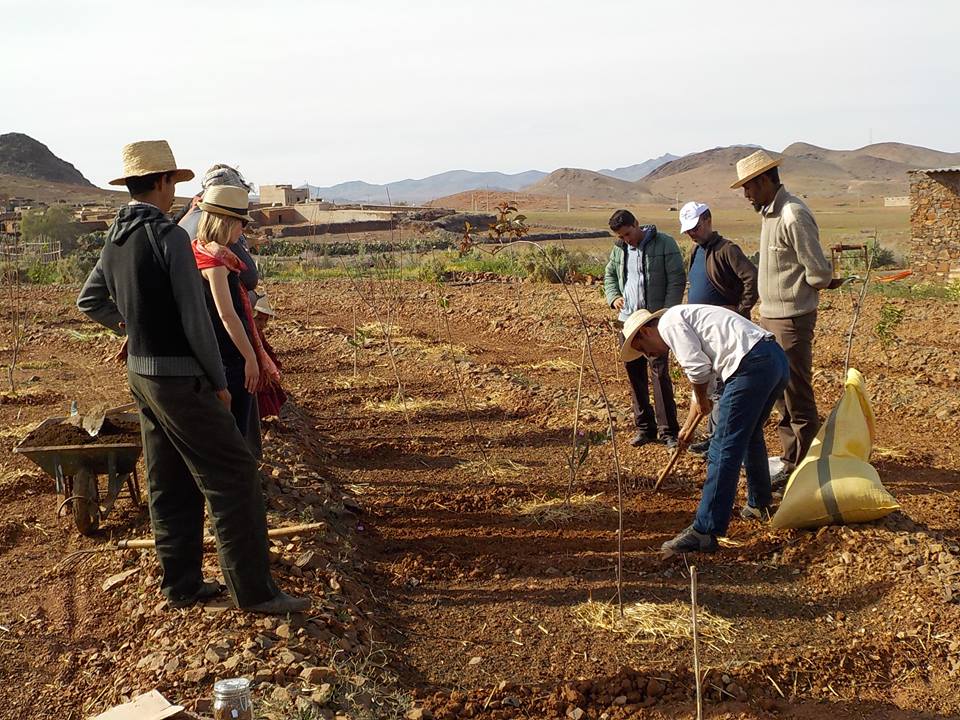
x,y
433,588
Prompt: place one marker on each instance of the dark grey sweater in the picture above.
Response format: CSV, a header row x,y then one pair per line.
x,y
147,278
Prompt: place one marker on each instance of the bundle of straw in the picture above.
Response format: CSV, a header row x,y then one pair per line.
x,y
558,510
650,622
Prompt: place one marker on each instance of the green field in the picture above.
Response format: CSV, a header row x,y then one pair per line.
x,y
838,224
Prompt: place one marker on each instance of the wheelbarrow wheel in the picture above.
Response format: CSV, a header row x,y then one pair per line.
x,y
86,502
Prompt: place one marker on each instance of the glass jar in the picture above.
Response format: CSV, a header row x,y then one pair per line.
x,y
231,700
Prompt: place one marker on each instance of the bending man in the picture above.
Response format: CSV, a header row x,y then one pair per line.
x,y
712,343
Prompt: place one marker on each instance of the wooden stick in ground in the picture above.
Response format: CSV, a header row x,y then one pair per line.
x,y
143,544
356,344
574,448
677,451
696,639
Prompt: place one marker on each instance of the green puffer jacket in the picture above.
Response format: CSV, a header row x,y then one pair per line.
x,y
664,277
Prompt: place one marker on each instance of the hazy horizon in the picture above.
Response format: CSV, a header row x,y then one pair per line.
x,y
341,91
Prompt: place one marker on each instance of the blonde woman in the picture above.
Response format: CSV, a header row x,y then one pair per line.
x,y
246,364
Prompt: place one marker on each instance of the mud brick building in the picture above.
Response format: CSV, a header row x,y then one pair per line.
x,y
935,222
282,195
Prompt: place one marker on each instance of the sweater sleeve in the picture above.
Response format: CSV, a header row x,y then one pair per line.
x,y
747,272
95,302
188,293
804,235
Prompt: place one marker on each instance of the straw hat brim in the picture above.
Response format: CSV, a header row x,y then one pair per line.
x,y
759,171
217,210
179,175
627,351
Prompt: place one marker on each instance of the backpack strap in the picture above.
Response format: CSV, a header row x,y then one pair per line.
x,y
155,246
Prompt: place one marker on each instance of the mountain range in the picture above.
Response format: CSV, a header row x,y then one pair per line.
x,y
632,173
29,169
429,188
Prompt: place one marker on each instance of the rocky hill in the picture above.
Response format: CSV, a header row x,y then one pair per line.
x,y
871,171
22,156
588,184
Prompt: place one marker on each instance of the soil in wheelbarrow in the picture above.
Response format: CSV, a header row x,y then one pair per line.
x,y
113,432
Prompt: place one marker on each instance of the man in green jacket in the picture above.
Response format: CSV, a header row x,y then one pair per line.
x,y
645,272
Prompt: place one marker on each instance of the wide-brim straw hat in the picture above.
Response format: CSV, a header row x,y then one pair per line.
x,y
263,306
630,329
753,165
148,157
226,200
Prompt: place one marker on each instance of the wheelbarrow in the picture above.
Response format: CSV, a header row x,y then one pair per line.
x,y
76,469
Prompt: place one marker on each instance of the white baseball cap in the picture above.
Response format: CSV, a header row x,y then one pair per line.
x,y
690,215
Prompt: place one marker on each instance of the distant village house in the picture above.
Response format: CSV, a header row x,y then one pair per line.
x,y
283,195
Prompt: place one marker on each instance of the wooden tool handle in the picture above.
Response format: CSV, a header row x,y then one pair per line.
x,y
669,466
143,543
676,455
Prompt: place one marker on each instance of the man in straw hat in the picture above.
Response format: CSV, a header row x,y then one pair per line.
x,y
718,274
713,343
793,270
146,285
645,271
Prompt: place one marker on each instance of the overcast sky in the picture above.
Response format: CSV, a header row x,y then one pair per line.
x,y
341,90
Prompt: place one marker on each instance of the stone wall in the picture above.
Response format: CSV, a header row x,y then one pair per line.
x,y
935,224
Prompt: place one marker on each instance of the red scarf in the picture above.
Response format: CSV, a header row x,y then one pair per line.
x,y
213,255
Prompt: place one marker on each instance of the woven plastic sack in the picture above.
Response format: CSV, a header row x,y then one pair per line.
x,y
835,484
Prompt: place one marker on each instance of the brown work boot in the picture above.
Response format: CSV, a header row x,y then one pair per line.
x,y
281,605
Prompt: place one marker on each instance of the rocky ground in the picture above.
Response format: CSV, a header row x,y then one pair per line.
x,y
443,584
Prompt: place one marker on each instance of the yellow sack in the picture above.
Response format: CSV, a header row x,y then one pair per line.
x,y
835,484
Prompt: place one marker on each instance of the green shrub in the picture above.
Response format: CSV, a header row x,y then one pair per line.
x,y
882,256
433,269
551,264
890,318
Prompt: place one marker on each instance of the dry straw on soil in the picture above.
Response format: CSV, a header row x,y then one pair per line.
x,y
558,510
555,364
499,468
650,622
399,405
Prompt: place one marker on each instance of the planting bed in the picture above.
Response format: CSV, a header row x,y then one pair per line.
x,y
441,587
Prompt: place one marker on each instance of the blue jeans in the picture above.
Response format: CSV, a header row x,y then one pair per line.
x,y
748,397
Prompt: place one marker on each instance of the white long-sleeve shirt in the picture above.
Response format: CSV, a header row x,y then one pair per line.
x,y
708,341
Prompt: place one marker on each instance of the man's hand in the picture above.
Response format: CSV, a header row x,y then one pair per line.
x,y
224,397
703,406
839,282
618,303
121,355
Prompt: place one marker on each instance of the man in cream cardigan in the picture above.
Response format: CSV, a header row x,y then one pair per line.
x,y
793,271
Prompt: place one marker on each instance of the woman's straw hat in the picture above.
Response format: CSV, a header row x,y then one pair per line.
x,y
753,165
226,200
148,157
631,327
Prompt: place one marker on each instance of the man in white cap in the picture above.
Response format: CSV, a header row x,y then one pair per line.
x,y
718,274
793,271
713,343
146,285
